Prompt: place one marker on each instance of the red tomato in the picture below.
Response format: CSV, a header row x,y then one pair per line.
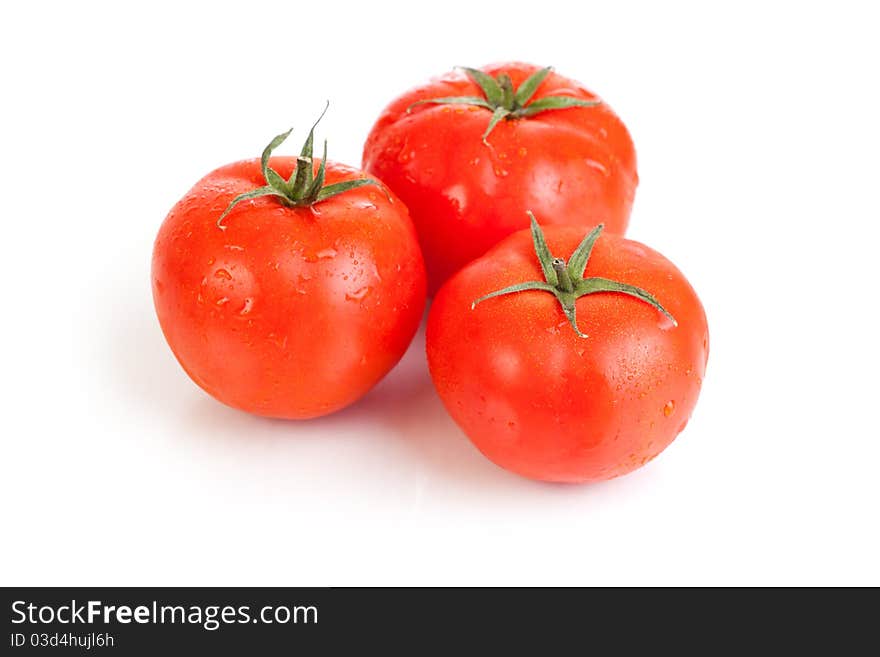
x,y
560,152
288,308
543,401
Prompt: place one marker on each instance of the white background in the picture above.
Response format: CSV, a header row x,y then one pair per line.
x,y
757,132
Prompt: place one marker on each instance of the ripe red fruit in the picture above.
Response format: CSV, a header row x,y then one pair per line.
x,y
288,287
568,371
470,151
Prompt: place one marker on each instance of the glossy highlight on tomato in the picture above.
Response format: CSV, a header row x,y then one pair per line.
x,y
575,165
552,402
290,307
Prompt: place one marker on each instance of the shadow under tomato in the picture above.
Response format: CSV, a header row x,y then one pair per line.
x,y
399,427
407,406
402,420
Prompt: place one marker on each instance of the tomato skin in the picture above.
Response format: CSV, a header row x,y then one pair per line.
x,y
574,166
542,402
287,312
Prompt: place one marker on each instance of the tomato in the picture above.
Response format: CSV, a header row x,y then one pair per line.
x,y
571,374
301,297
470,151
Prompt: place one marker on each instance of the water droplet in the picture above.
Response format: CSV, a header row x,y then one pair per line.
x,y
222,273
358,294
234,247
248,304
222,301
522,152
211,260
501,172
277,340
664,323
326,253
669,408
598,166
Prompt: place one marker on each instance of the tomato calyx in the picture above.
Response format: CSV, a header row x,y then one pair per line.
x,y
304,187
566,281
508,103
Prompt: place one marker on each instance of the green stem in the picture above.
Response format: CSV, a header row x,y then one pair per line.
x,y
506,102
508,94
566,282
562,275
302,176
304,188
